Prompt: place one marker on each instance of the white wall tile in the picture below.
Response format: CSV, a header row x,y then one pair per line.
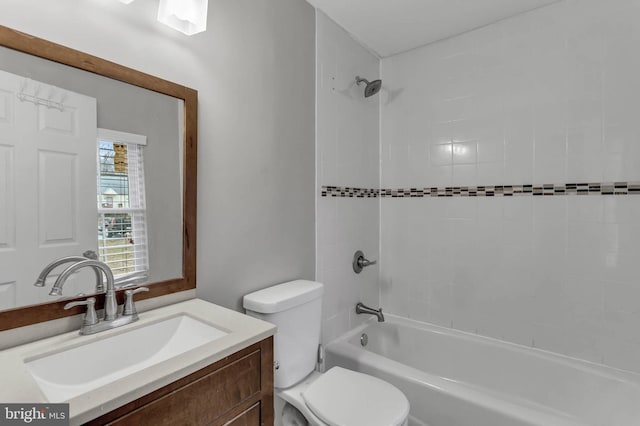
x,y
334,326
348,155
550,96
441,154
465,153
464,174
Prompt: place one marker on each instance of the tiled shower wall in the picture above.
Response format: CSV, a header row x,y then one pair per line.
x,y
548,97
348,155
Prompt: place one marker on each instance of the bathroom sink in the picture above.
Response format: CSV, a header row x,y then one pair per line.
x,y
66,374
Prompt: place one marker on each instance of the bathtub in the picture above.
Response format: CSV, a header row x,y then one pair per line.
x,y
453,378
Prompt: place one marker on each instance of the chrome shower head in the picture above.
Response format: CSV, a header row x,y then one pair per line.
x,y
371,88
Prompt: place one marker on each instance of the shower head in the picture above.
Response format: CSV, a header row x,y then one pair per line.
x,y
371,87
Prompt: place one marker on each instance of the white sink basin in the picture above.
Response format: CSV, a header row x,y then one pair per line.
x,y
72,372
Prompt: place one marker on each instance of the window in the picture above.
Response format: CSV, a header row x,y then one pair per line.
x,y
122,217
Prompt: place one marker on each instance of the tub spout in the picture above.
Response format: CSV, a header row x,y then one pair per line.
x,y
363,309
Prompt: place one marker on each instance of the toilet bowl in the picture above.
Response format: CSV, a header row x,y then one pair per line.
x,y
338,397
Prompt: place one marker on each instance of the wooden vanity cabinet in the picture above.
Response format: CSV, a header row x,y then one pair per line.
x,y
235,391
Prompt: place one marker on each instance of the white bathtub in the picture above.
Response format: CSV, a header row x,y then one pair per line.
x,y
453,378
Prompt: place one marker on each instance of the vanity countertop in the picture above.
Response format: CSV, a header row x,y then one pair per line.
x,y
19,386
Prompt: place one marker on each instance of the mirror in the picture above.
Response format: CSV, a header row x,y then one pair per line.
x,y
95,157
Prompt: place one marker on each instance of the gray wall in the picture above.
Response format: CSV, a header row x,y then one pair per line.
x,y
254,70
256,196
128,108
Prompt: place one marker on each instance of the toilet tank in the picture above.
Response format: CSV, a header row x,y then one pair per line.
x,y
295,307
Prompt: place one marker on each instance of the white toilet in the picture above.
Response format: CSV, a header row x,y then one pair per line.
x,y
338,397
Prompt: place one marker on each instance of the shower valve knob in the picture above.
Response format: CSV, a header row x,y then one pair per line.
x,y
360,262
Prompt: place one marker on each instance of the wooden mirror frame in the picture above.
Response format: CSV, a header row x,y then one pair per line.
x,y
16,40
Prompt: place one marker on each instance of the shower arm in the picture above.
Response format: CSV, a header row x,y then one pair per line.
x,y
361,80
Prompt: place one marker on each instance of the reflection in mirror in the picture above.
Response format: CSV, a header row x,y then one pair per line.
x,y
63,113
122,214
89,164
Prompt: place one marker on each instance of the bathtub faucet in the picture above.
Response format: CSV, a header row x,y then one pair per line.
x,y
363,309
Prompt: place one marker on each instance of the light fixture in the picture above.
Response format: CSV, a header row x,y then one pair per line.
x,y
187,16
125,1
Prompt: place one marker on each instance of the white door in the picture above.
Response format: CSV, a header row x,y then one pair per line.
x,y
48,200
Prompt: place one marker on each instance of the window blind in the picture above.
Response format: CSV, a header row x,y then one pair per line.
x,y
122,224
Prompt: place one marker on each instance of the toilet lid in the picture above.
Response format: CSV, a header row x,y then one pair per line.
x,y
342,397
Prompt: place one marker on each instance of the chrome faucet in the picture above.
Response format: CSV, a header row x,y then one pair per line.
x,y
110,304
363,309
57,291
91,323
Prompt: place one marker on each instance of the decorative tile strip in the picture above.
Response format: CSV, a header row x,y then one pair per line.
x,y
593,188
345,191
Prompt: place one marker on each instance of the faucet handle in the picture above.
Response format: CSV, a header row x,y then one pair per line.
x,y
129,308
360,262
90,318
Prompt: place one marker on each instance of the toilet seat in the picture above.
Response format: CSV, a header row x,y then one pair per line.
x,y
343,397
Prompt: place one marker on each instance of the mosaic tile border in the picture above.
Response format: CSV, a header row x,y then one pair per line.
x,y
345,191
607,188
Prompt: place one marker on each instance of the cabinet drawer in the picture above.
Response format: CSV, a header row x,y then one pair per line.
x,y
204,400
249,417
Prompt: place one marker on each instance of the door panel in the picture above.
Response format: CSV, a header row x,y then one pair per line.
x,y
7,199
57,198
48,172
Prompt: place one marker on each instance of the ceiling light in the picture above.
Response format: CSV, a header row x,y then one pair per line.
x,y
125,1
187,16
